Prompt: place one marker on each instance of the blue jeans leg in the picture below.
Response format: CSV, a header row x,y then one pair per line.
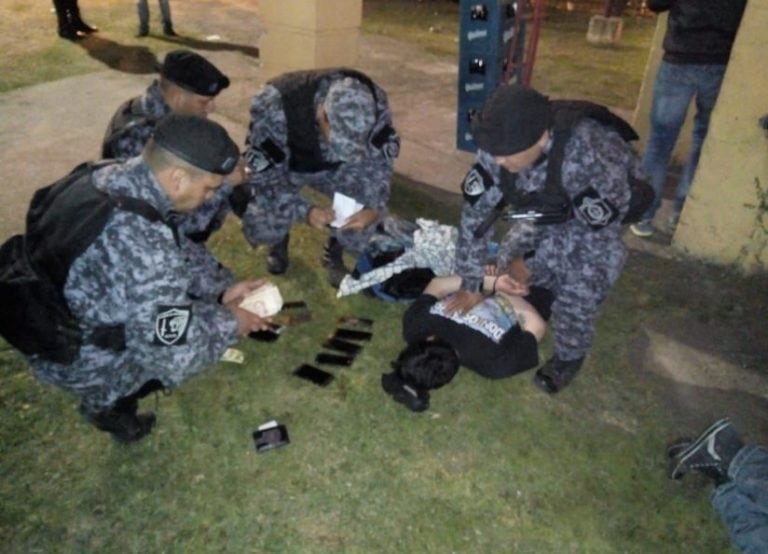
x,y
710,79
676,85
743,502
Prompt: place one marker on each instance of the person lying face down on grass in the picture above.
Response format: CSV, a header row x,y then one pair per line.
x,y
497,338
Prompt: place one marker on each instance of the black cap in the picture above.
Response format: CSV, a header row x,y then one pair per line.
x,y
193,72
198,141
513,119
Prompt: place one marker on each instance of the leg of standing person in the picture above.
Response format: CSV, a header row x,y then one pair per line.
x,y
672,94
142,6
62,16
742,502
77,21
165,14
709,80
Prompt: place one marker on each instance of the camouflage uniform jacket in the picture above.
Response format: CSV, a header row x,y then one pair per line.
x,y
126,135
275,187
579,259
137,276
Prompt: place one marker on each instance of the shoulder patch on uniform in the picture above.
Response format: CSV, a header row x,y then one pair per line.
x,y
594,210
476,182
264,156
171,325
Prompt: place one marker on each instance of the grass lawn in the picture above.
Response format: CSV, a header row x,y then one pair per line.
x,y
566,65
493,466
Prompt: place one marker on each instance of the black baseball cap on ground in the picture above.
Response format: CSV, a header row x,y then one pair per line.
x,y
513,119
193,72
198,141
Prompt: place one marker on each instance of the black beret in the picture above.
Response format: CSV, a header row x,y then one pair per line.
x,y
193,72
199,141
513,119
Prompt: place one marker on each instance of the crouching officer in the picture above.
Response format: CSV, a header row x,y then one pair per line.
x,y
188,84
146,315
562,170
328,129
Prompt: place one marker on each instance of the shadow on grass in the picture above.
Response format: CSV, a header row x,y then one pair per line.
x,y
214,46
128,59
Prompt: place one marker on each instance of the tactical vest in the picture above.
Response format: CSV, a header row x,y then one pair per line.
x,y
128,115
63,220
297,90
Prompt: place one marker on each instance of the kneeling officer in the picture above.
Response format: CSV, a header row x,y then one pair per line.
x,y
124,310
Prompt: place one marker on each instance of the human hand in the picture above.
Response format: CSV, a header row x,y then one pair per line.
x,y
508,285
237,291
248,322
518,270
360,220
463,301
240,174
319,217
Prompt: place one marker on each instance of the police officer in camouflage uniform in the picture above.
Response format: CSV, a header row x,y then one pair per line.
x,y
576,249
168,317
188,84
330,130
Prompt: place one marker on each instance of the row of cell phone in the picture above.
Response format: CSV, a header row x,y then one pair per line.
x,y
338,342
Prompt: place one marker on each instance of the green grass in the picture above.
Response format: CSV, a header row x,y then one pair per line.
x,y
566,65
493,466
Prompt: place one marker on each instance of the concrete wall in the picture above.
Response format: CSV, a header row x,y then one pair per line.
x,y
725,219
305,34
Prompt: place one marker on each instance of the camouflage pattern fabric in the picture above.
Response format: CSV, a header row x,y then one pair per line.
x,y
134,274
276,203
131,140
578,260
351,113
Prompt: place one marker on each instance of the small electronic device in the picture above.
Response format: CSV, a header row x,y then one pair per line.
x,y
295,305
270,435
313,374
268,335
333,359
342,346
352,334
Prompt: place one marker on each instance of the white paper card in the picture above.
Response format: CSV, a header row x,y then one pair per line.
x,y
344,207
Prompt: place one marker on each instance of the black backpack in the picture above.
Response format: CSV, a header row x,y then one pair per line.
x,y
63,220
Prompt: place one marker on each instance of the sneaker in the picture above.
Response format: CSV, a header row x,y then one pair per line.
x,y
555,375
642,228
277,259
333,261
711,453
672,222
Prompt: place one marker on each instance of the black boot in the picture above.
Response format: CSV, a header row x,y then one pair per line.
x,y
66,30
333,261
76,21
121,420
555,375
168,30
711,453
277,259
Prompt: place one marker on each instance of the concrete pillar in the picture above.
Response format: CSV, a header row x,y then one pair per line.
x,y
305,34
725,219
641,121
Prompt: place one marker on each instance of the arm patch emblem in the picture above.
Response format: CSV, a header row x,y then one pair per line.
x,y
171,325
594,210
476,182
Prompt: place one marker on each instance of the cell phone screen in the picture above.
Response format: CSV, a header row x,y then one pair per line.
x,y
333,359
313,374
352,334
342,346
